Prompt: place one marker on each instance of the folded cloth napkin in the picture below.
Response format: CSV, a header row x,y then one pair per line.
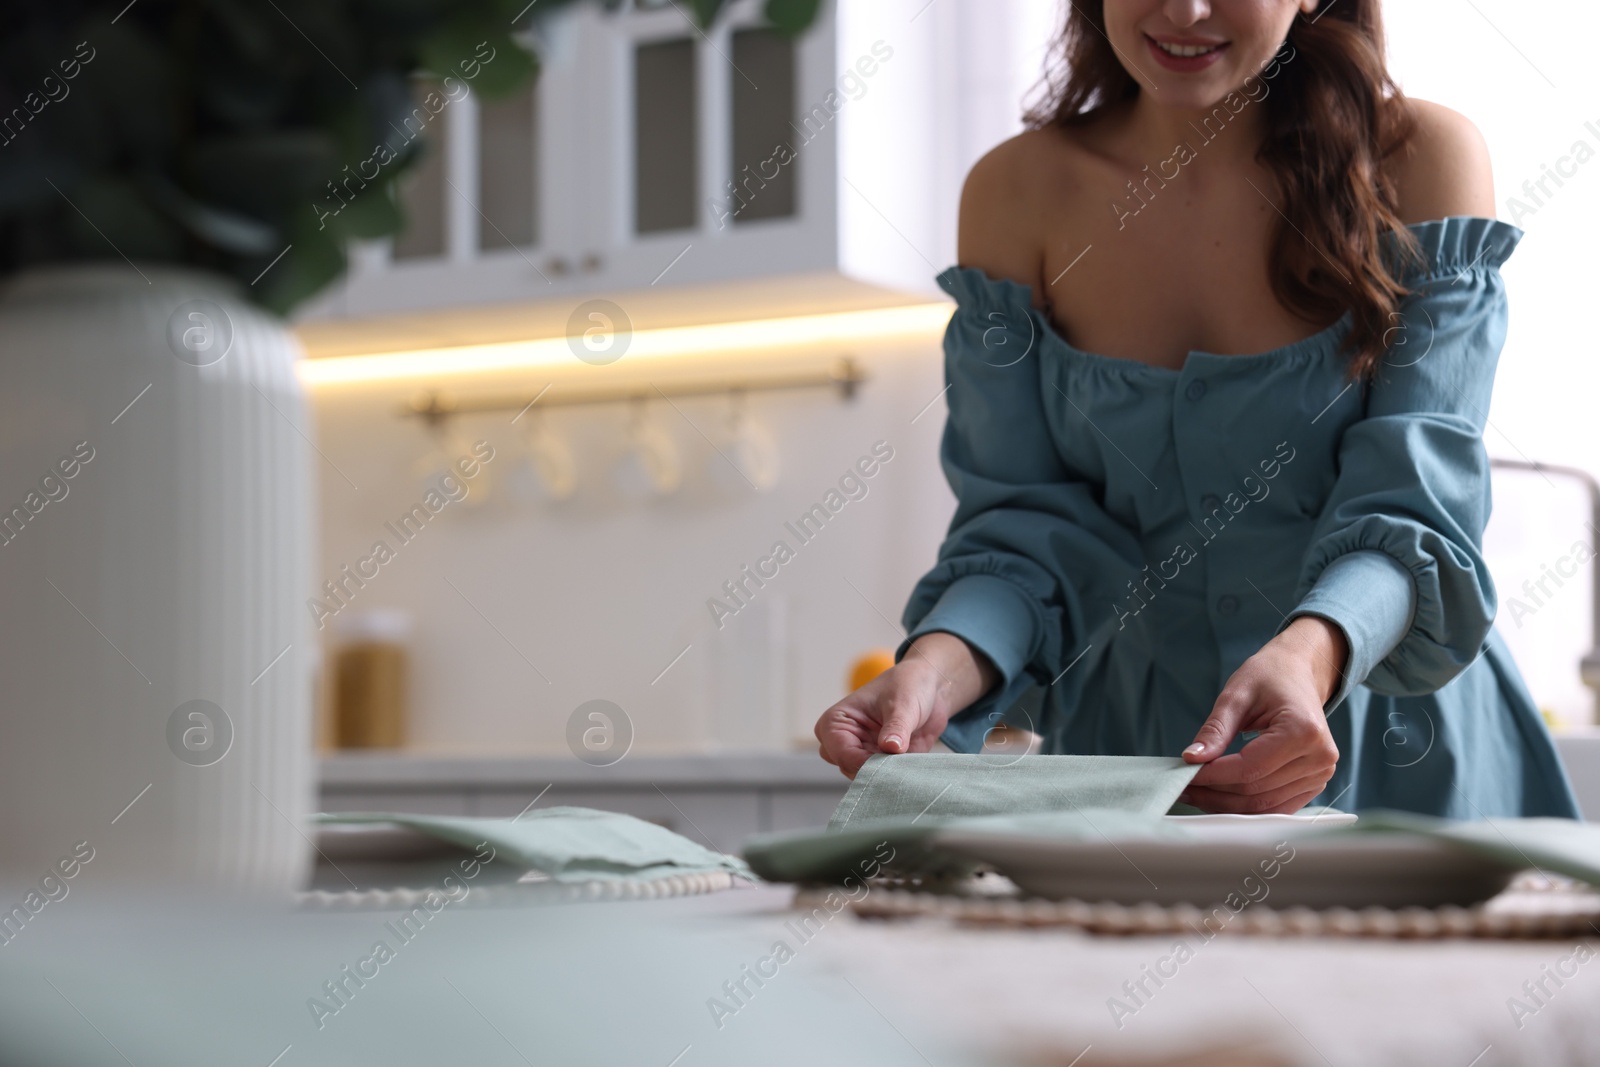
x,y
569,844
1552,846
897,803
955,784
910,847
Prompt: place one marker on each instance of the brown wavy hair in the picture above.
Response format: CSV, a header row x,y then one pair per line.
x,y
1333,115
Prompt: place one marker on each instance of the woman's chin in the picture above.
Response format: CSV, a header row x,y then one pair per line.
x,y
1180,94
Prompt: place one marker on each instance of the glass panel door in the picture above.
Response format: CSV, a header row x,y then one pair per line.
x,y
666,136
421,189
508,182
764,160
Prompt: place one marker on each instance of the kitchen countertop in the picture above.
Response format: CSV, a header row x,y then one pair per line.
x,y
1580,751
345,770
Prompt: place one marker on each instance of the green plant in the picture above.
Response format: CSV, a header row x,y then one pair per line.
x,y
790,16
215,133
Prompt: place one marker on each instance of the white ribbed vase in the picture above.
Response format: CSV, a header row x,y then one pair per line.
x,y
171,567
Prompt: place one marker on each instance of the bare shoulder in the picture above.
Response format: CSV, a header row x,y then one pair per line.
x,y
1004,203
1444,168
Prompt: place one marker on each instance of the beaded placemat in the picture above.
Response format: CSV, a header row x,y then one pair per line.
x,y
1533,906
531,890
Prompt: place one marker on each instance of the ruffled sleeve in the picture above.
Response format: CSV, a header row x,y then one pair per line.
x,y
1030,544
1396,556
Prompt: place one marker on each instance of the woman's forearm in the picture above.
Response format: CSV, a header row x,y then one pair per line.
x,y
1325,650
961,673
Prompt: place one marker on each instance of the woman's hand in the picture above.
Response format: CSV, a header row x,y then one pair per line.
x,y
1279,692
905,708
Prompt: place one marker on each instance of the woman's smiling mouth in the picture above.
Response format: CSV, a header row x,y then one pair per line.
x,y
1185,55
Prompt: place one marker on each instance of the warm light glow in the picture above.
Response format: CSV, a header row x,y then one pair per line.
x,y
837,329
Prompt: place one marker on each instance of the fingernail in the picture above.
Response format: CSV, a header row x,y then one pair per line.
x,y
892,741
1196,749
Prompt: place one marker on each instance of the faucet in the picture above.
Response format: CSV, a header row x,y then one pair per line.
x,y
1589,666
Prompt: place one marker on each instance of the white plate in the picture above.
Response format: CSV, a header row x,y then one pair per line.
x,y
1327,818
1316,871
1263,829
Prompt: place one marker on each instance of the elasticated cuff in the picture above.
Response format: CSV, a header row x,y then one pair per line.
x,y
988,613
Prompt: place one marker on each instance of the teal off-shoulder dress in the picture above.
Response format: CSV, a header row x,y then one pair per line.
x,y
1126,536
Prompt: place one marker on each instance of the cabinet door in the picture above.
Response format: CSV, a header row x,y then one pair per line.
x,y
708,177
477,226
649,153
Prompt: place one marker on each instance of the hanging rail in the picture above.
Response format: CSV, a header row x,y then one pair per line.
x,y
845,375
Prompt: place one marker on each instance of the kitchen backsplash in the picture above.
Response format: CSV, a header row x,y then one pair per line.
x,y
717,615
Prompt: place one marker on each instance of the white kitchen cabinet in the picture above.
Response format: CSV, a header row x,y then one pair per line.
x,y
652,154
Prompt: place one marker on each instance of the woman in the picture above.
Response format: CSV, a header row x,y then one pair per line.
x,y
1272,559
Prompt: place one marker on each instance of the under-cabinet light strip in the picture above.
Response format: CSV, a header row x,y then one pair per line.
x,y
836,328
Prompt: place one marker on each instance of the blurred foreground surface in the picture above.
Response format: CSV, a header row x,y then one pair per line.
x,y
107,977
155,980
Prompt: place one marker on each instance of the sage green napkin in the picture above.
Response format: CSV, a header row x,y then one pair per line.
x,y
948,784
896,803
1554,846
569,844
909,846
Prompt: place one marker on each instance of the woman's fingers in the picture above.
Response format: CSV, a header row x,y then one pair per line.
x,y
1253,780
896,712
925,738
1279,771
905,719
850,752
845,735
1266,761
1276,692
1231,710
1284,801
1293,751
1298,771
882,716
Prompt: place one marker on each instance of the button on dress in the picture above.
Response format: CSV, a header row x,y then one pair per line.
x,y
1126,536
